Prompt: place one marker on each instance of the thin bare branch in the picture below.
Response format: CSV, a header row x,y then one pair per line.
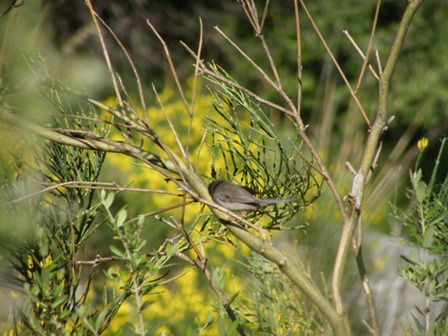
x,y
105,53
92,186
201,145
122,116
132,65
251,13
265,14
205,71
173,71
195,81
201,263
162,210
366,61
276,86
170,124
371,149
335,62
299,57
95,262
271,60
247,57
299,153
378,62
374,326
369,46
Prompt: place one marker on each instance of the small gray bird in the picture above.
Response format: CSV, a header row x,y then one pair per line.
x,y
238,198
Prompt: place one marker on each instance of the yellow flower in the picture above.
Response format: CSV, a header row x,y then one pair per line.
x,y
422,143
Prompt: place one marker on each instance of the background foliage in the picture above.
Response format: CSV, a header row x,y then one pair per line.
x,y
50,57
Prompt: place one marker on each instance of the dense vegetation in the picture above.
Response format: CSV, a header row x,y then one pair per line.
x,y
112,129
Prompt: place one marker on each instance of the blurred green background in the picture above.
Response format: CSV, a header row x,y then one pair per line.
x,y
57,38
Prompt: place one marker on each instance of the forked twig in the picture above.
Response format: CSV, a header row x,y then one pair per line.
x,y
364,58
238,218
275,85
369,46
335,62
205,71
201,263
370,153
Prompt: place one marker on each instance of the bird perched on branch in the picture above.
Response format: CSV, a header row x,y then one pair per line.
x,y
238,198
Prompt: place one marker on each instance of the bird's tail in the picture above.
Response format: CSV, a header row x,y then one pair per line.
x,y
269,201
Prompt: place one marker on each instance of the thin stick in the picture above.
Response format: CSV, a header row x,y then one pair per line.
x,y
299,153
378,62
170,124
265,14
201,145
366,61
299,57
276,86
106,54
371,149
131,64
95,262
159,211
172,68
237,217
335,62
206,71
193,98
252,14
91,186
369,46
255,65
201,263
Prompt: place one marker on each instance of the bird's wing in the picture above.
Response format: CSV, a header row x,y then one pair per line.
x,y
250,190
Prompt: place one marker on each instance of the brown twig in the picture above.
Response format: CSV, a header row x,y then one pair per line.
x,y
193,98
132,65
201,263
364,58
299,57
335,62
369,46
371,149
106,54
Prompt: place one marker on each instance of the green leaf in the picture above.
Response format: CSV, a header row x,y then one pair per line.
x,y
420,191
107,202
59,301
232,329
140,220
416,177
121,217
100,319
65,314
117,252
102,194
428,236
171,249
